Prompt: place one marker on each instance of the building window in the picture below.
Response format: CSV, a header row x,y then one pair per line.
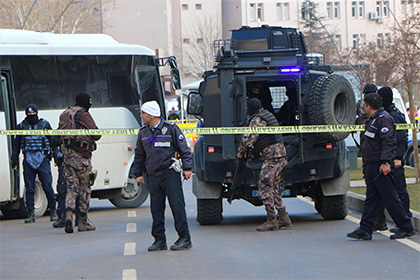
x,y
278,11
329,10
353,9
184,7
186,41
252,12
337,10
362,39
200,40
198,6
337,39
378,8
260,12
387,37
355,40
285,11
361,9
380,39
386,5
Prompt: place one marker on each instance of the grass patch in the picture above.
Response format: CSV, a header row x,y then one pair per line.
x,y
357,174
413,192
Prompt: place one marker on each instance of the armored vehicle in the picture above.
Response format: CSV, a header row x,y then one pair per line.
x,y
299,90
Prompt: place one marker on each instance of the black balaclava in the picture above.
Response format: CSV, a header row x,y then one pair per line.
x,y
32,119
387,96
254,104
83,100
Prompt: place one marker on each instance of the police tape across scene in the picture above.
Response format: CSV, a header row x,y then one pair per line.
x,y
210,130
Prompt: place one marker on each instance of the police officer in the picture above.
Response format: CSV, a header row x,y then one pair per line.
x,y
37,155
398,170
271,150
157,145
77,151
379,151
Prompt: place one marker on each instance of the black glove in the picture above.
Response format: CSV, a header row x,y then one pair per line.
x,y
15,163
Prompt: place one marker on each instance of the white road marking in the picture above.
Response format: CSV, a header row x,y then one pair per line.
x,y
129,274
131,227
130,249
405,241
132,214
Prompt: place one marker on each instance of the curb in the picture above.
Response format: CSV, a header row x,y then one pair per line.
x,y
357,202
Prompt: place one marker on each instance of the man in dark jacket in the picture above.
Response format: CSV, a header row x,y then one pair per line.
x,y
77,151
270,149
398,162
379,151
37,155
158,144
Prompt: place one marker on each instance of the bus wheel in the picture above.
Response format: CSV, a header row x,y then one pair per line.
x,y
131,196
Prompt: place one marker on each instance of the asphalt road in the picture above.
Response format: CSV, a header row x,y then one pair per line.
x,y
311,249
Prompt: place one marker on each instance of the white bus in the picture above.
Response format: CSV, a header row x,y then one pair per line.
x,y
49,70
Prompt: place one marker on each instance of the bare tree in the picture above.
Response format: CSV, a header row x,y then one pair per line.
x,y
60,16
197,50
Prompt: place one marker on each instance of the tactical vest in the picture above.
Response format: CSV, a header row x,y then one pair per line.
x,y
70,119
35,142
265,140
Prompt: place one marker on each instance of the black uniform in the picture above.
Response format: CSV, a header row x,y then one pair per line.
x,y
379,147
154,151
398,173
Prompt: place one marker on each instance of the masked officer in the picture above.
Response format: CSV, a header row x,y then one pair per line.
x,y
398,170
77,151
379,151
269,148
37,155
157,145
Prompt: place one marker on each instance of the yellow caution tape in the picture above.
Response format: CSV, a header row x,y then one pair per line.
x,y
210,130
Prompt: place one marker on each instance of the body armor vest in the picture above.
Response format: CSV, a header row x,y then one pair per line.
x,y
35,142
265,140
70,119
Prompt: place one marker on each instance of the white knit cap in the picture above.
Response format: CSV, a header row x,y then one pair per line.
x,y
152,108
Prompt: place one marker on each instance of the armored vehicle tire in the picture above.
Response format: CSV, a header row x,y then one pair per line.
x,y
331,207
332,102
132,195
209,211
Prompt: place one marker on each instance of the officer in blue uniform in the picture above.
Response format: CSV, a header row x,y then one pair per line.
x,y
158,143
37,155
398,167
379,151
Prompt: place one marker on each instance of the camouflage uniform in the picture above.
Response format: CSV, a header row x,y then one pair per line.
x,y
76,172
274,157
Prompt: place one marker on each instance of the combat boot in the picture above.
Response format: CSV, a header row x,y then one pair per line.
x,y
283,220
31,216
270,224
68,223
60,222
84,224
53,215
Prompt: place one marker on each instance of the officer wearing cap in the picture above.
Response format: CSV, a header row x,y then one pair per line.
x,y
398,161
37,155
158,144
379,151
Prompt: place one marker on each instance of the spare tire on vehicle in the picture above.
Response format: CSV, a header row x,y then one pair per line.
x,y
332,102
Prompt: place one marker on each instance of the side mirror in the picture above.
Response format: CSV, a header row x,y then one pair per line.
x,y
176,78
195,104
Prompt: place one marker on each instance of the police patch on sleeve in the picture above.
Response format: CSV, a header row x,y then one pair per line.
x,y
181,137
384,129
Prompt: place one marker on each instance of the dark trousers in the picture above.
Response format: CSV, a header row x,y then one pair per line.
x,y
61,190
401,188
168,185
382,189
44,175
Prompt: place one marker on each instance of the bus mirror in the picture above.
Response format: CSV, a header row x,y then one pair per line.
x,y
195,104
176,78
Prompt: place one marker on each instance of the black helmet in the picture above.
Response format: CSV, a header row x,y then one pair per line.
x,y
370,88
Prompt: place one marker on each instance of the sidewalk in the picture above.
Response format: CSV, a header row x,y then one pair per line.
x,y
356,201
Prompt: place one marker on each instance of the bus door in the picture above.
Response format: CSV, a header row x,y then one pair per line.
x,y
8,187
